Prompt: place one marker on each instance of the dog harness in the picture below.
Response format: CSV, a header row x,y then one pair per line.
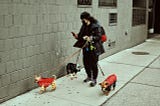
x,y
111,79
45,82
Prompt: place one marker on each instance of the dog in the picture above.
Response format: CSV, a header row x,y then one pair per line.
x,y
72,70
109,82
45,82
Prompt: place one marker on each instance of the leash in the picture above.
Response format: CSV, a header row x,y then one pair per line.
x,y
78,56
101,70
75,53
97,64
70,56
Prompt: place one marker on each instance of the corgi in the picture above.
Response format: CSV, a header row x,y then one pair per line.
x,y
109,82
45,82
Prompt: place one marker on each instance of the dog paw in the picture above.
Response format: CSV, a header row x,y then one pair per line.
x,y
106,93
72,78
53,89
41,92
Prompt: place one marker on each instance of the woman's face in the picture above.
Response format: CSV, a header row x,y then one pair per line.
x,y
85,21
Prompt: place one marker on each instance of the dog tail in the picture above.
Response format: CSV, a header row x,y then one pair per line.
x,y
54,76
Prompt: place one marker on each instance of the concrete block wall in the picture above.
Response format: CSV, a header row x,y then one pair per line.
x,y
35,38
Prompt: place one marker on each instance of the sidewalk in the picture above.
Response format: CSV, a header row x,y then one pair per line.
x,y
134,72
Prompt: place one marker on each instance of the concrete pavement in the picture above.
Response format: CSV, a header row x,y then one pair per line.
x,y
138,83
144,88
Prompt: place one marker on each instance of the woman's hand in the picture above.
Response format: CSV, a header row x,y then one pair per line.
x,y
75,35
89,39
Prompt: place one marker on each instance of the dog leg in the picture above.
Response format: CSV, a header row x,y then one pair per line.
x,y
72,76
107,90
43,89
114,85
53,86
106,93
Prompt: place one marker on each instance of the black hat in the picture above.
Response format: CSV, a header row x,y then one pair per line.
x,y
85,15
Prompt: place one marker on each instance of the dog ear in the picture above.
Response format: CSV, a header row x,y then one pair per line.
x,y
40,75
54,76
35,76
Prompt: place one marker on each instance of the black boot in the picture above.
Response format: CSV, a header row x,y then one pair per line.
x,y
87,79
93,83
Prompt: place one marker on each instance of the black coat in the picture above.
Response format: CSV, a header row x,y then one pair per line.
x,y
94,30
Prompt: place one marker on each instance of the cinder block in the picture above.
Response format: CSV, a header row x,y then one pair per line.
x,y
17,9
29,29
5,79
1,45
1,20
55,27
25,1
13,89
5,1
13,54
22,53
17,43
36,29
25,85
53,2
4,33
10,66
8,20
25,19
61,2
4,9
44,67
21,31
0,83
41,9
5,56
39,19
29,51
26,41
30,71
32,40
52,9
33,19
26,62
4,92
23,74
39,39
8,44
33,60
14,76
16,1
51,19
18,64
43,47
17,19
39,58
36,49
2,68
32,1
13,31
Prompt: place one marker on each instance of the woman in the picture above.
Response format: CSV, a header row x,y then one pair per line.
x,y
89,38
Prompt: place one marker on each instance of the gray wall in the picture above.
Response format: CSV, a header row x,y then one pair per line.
x,y
35,38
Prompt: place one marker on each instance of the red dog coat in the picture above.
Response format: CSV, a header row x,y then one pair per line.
x,y
45,82
111,79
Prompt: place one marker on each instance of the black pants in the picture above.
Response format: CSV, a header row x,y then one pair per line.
x,y
90,61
